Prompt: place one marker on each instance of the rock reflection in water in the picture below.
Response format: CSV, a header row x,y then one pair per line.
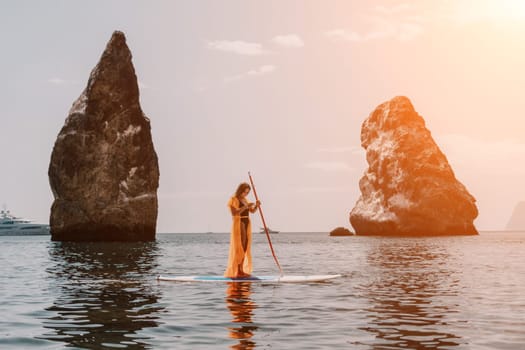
x,y
103,300
242,308
409,297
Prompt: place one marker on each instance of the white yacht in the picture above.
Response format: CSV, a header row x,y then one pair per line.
x,y
13,226
269,231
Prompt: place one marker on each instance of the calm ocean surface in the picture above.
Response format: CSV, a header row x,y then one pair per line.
x,y
410,293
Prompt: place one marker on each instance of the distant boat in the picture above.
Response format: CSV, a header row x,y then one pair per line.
x,y
269,231
15,226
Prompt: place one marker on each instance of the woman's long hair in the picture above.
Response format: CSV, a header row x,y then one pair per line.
x,y
241,188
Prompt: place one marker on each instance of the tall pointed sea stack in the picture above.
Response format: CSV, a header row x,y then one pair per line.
x,y
517,220
104,171
409,187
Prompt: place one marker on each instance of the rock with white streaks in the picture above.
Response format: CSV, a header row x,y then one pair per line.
x,y
409,187
104,171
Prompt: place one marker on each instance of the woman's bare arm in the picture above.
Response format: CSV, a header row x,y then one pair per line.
x,y
237,211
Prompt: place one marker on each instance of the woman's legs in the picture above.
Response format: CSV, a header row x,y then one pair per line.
x,y
244,235
244,242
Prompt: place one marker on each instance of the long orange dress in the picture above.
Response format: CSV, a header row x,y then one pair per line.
x,y
237,253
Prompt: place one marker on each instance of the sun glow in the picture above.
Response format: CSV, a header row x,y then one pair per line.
x,y
500,10
509,9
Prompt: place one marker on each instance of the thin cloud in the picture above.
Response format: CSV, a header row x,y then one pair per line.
x,y
491,156
199,88
325,189
60,81
342,35
400,31
344,149
238,47
396,22
253,73
290,40
192,194
329,166
409,31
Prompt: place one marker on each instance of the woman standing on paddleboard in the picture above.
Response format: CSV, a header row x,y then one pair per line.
x,y
240,256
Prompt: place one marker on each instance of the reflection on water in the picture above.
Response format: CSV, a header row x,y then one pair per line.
x,y
102,298
409,296
241,308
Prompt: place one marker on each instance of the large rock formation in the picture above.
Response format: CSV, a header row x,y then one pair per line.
x,y
517,220
104,171
409,187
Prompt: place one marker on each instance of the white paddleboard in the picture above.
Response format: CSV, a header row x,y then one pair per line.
x,y
262,279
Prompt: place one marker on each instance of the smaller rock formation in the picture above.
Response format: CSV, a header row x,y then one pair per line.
x,y
341,231
104,171
517,220
409,187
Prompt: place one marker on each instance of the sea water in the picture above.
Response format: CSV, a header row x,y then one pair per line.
x,y
407,293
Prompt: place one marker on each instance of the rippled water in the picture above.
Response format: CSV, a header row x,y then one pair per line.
x,y
416,293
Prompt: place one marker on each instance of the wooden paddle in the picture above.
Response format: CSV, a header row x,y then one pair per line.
x,y
264,225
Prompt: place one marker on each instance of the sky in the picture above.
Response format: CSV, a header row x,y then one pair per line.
x,y
278,88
